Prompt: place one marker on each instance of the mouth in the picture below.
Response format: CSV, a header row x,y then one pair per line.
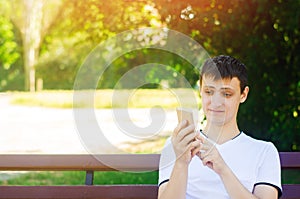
x,y
216,111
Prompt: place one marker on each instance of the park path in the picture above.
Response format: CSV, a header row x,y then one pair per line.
x,y
53,131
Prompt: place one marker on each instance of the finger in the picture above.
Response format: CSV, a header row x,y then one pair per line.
x,y
187,132
201,138
196,147
205,141
198,154
207,145
180,126
187,147
205,150
176,131
207,162
195,144
189,135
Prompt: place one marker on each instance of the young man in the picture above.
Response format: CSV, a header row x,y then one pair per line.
x,y
221,161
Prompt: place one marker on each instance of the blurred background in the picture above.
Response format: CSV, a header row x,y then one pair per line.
x,y
44,43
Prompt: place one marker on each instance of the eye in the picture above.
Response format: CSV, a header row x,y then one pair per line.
x,y
226,94
209,92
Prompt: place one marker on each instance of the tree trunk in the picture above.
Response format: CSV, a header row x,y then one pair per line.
x,y
29,17
29,62
32,39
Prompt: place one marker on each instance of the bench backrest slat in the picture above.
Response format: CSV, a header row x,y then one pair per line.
x,y
290,160
103,162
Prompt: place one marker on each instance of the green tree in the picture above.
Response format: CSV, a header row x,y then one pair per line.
x,y
80,28
32,18
9,53
265,36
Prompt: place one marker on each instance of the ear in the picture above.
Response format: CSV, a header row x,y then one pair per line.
x,y
244,94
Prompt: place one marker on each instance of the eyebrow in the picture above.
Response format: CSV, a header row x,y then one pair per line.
x,y
227,88
209,87
223,88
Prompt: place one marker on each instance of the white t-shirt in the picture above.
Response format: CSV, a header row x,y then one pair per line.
x,y
252,161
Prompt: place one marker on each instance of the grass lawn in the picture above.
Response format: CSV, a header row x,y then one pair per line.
x,y
78,178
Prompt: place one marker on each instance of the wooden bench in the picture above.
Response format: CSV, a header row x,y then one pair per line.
x,y
90,163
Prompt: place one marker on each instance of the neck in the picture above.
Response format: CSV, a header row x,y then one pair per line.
x,y
221,133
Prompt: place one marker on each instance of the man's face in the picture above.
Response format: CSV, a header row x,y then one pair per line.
x,y
221,99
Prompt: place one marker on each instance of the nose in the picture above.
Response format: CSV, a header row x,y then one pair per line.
x,y
217,100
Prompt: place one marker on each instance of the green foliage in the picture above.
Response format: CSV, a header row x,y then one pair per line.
x,y
272,111
81,26
165,66
265,36
9,55
8,45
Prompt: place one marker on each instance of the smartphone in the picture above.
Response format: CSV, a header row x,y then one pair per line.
x,y
185,114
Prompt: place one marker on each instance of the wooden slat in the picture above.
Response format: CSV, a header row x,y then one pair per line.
x,y
290,160
105,191
124,162
290,191
103,162
79,192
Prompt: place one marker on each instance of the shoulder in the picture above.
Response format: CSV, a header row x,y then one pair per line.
x,y
257,143
260,149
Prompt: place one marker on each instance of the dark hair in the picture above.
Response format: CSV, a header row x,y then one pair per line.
x,y
222,67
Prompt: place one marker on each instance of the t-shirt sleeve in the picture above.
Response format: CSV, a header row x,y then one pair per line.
x,y
166,163
269,171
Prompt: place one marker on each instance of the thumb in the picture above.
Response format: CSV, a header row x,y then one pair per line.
x,y
199,137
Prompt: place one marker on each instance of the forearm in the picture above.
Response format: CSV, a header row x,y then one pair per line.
x,y
176,186
234,187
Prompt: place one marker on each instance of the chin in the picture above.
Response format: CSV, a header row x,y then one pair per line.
x,y
216,121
